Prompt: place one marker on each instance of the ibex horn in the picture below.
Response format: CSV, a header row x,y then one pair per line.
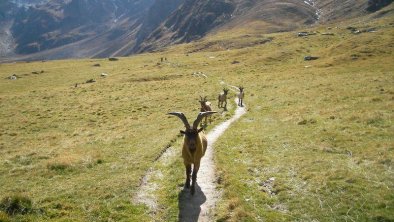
x,y
182,117
200,116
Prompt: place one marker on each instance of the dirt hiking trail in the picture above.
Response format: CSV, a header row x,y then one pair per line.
x,y
199,207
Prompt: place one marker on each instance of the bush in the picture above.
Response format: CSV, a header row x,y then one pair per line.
x,y
16,205
60,167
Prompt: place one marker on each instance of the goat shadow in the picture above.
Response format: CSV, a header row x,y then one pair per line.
x,y
190,206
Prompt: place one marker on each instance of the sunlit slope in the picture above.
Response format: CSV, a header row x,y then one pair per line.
x,y
80,152
316,143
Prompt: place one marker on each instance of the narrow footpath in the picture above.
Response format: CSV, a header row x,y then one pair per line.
x,y
200,206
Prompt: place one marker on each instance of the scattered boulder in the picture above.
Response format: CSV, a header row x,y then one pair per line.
x,y
199,74
356,32
351,28
113,59
96,65
90,81
302,34
327,33
371,30
103,75
268,186
235,62
354,56
36,72
309,58
13,77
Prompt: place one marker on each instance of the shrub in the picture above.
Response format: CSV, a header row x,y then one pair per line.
x,y
16,205
60,167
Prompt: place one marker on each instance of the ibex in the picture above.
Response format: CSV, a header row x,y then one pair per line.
x,y
222,98
240,96
194,146
205,106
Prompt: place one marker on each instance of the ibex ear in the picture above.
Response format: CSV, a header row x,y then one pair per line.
x,y
182,132
201,129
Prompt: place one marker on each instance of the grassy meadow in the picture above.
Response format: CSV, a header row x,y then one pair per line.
x,y
315,145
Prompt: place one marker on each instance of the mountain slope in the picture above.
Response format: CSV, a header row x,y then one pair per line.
x,y
191,21
157,13
196,18
59,23
91,28
73,28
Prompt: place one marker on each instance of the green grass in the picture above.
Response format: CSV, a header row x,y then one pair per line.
x,y
316,143
80,152
321,130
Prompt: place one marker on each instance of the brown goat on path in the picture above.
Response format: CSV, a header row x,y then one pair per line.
x,y
240,96
194,146
205,107
222,98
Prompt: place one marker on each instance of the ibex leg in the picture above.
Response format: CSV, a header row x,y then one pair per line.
x,y
188,172
194,177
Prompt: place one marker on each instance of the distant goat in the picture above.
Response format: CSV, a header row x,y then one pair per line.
x,y
240,96
194,146
205,106
222,98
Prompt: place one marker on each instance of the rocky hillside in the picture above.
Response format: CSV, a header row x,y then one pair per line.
x,y
332,10
28,3
158,12
34,30
5,8
195,18
59,23
192,20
